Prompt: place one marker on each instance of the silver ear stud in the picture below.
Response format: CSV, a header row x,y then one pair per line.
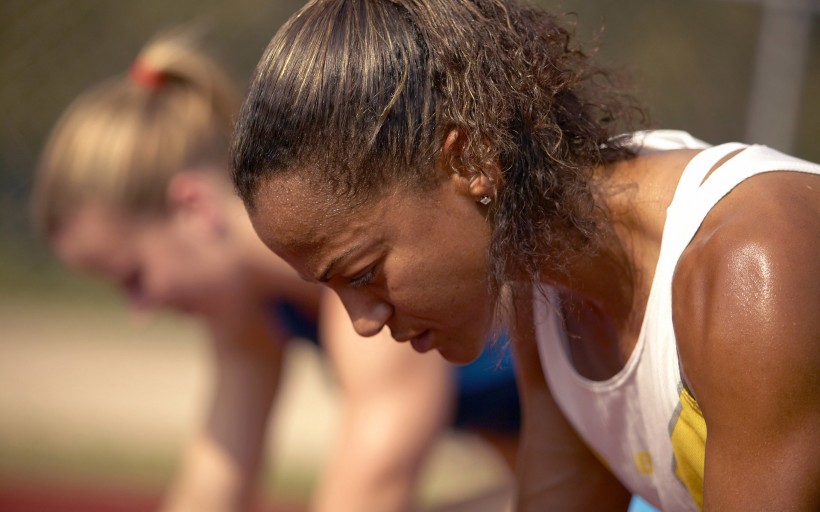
x,y
485,200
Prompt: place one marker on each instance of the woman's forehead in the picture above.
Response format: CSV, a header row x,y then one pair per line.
x,y
294,217
309,226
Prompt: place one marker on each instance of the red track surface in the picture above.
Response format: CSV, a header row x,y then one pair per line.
x,y
31,498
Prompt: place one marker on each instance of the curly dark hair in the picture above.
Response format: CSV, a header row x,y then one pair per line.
x,y
359,95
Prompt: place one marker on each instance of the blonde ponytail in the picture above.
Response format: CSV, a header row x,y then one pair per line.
x,y
121,142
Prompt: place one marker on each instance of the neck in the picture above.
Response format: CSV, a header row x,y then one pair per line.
x,y
603,280
604,292
608,279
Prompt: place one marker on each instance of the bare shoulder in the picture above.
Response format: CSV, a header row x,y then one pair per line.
x,y
746,293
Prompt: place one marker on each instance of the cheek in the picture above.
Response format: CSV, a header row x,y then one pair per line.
x,y
436,287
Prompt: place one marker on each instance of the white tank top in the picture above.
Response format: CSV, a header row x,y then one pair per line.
x,y
642,423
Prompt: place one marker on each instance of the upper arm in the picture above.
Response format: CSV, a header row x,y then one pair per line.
x,y
746,298
556,470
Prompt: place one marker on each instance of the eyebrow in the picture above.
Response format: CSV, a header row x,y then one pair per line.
x,y
324,274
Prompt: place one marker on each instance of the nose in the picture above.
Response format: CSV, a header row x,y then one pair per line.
x,y
368,313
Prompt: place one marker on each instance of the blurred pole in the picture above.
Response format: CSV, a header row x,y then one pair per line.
x,y
782,52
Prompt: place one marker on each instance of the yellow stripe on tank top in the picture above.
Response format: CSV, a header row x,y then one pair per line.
x,y
688,435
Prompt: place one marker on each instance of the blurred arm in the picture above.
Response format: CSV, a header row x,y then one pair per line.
x,y
221,462
396,402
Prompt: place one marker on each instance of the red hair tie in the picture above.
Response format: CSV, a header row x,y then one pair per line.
x,y
146,76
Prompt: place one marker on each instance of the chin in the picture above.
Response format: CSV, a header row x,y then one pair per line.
x,y
461,353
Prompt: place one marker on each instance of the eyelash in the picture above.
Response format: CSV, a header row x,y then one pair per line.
x,y
363,279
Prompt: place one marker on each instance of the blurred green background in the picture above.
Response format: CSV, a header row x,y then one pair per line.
x,y
692,61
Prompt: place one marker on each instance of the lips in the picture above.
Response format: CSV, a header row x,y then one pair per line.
x,y
423,342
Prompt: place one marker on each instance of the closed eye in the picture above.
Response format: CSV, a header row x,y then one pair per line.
x,y
363,279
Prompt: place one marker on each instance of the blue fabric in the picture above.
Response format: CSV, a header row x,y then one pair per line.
x,y
295,321
494,367
486,392
639,505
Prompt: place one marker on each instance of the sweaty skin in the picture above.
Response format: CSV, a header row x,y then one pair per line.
x,y
390,261
744,298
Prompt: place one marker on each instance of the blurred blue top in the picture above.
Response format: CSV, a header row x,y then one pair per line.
x,y
639,505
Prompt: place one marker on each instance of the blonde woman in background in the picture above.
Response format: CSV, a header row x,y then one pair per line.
x,y
134,188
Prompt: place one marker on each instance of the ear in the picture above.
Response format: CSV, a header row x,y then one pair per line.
x,y
192,196
480,184
451,153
